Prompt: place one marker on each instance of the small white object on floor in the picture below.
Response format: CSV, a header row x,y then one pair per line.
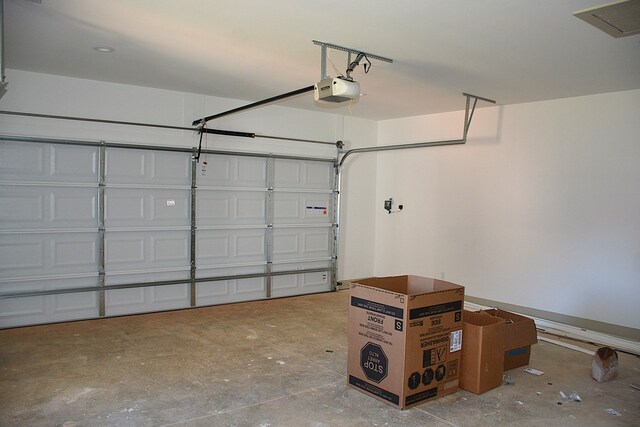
x,y
613,412
533,371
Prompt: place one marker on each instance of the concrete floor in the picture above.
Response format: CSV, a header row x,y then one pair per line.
x,y
268,363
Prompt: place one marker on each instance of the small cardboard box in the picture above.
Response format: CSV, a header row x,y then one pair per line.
x,y
405,337
519,334
482,352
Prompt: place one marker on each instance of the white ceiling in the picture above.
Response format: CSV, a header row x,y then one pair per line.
x,y
512,51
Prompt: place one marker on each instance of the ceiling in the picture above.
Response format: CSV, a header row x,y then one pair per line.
x,y
512,51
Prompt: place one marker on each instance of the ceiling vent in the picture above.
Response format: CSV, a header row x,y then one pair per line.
x,y
619,19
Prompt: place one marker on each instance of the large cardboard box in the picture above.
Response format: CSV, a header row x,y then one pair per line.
x,y
405,338
519,334
482,352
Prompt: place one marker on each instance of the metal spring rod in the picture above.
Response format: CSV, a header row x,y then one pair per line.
x,y
22,294
157,148
160,126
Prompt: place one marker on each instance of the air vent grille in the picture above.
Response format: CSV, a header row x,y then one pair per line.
x,y
619,19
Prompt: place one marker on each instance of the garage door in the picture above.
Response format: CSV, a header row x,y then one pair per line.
x,y
90,230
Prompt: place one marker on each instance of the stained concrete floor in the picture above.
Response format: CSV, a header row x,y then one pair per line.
x,y
268,363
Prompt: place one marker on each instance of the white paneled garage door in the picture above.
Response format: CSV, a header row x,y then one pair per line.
x,y
90,230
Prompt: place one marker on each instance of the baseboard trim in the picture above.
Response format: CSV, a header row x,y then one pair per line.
x,y
619,337
616,336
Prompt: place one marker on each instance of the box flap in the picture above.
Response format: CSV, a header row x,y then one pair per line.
x,y
520,331
409,285
479,318
396,284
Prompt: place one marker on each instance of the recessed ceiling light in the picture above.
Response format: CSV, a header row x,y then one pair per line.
x,y
104,49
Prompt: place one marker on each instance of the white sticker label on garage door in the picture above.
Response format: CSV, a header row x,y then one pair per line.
x,y
316,210
171,202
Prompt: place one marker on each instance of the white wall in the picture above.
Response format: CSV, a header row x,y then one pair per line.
x,y
48,94
357,236
540,209
56,95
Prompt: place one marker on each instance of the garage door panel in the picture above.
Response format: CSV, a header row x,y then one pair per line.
x,y
230,208
45,254
170,207
170,168
143,276
74,207
298,284
22,208
170,250
31,162
75,253
125,207
146,250
224,247
81,301
22,161
303,174
74,164
170,294
59,228
145,300
12,310
288,173
231,171
48,308
302,208
303,283
17,254
224,292
301,243
117,300
235,290
145,167
149,298
250,208
33,207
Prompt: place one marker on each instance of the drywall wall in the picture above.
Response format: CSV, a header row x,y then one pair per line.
x,y
47,94
540,209
358,202
56,95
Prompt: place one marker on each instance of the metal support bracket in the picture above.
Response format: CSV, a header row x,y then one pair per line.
x,y
269,230
101,229
192,269
3,83
323,55
468,116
